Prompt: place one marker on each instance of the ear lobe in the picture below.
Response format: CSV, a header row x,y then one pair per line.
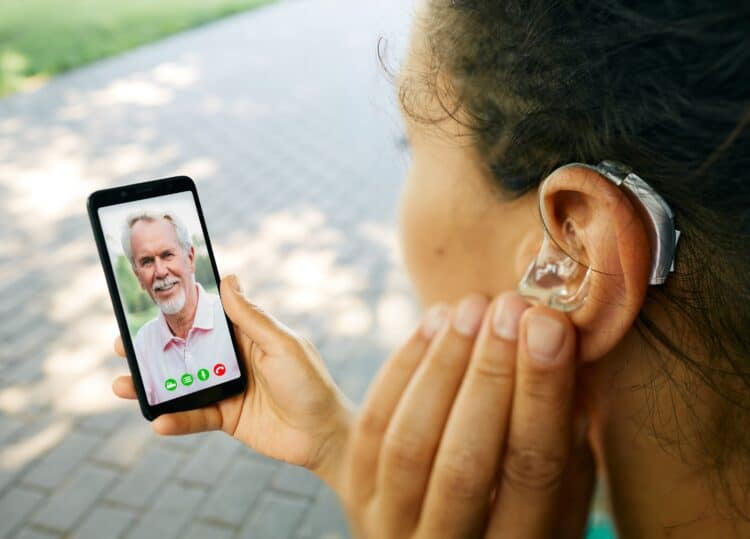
x,y
191,257
596,224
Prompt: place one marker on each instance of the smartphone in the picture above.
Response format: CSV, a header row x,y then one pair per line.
x,y
162,277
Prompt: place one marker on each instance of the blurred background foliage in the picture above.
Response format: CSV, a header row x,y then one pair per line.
x,y
40,38
139,307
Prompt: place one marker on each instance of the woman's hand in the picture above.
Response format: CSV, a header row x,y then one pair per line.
x,y
469,430
291,409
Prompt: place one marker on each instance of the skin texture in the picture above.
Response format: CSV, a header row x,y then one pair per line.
x,y
466,432
157,254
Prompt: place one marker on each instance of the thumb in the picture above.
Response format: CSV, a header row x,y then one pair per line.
x,y
262,328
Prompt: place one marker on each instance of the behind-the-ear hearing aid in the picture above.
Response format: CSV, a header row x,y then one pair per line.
x,y
559,278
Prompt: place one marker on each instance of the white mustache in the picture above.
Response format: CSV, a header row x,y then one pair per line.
x,y
161,284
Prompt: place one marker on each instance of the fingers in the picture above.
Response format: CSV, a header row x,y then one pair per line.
x,y
577,487
123,387
466,465
261,327
413,435
189,422
381,401
540,427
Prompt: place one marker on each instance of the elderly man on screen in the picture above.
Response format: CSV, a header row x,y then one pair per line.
x,y
187,346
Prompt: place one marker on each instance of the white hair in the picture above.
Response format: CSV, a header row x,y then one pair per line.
x,y
183,235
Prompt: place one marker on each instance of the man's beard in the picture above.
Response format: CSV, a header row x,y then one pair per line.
x,y
173,305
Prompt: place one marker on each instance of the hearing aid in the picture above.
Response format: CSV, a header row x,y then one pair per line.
x,y
559,279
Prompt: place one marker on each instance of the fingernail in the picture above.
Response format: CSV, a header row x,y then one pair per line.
x,y
544,337
507,318
469,314
434,319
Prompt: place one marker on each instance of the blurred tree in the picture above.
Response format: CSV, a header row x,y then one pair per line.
x,y
204,274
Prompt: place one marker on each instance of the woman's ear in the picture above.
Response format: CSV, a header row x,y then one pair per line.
x,y
595,223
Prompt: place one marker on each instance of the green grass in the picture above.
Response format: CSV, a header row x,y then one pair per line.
x,y
40,38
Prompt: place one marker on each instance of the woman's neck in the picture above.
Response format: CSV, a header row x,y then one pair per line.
x,y
642,434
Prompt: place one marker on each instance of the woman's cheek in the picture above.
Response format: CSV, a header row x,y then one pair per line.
x,y
409,238
429,244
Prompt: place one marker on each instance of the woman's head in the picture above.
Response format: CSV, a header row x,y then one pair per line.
x,y
499,94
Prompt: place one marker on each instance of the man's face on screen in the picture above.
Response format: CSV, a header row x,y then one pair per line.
x,y
162,266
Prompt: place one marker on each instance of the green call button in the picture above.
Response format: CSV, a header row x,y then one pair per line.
x,y
203,375
187,379
170,384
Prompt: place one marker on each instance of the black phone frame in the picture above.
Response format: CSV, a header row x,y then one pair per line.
x,y
141,191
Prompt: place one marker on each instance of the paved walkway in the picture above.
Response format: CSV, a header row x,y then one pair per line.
x,y
289,126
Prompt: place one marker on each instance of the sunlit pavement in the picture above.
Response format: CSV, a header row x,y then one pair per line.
x,y
289,126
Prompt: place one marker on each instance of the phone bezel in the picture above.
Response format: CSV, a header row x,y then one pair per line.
x,y
141,191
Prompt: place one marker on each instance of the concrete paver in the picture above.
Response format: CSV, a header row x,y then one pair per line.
x,y
17,504
9,427
58,463
320,522
289,126
71,502
234,496
137,486
199,530
105,523
104,423
296,480
211,458
172,510
32,533
124,447
275,517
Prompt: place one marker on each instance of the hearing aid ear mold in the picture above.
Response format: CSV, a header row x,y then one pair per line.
x,y
554,278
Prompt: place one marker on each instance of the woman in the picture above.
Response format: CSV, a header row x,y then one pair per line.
x,y
484,422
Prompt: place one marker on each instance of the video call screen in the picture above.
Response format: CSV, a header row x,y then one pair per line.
x,y
169,295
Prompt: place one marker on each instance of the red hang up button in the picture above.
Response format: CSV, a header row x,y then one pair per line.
x,y
219,369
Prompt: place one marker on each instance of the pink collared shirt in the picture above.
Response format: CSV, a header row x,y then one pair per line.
x,y
164,358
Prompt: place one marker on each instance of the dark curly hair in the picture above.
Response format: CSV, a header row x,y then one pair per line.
x,y
663,86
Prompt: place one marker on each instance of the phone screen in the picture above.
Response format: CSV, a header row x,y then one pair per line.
x,y
169,295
